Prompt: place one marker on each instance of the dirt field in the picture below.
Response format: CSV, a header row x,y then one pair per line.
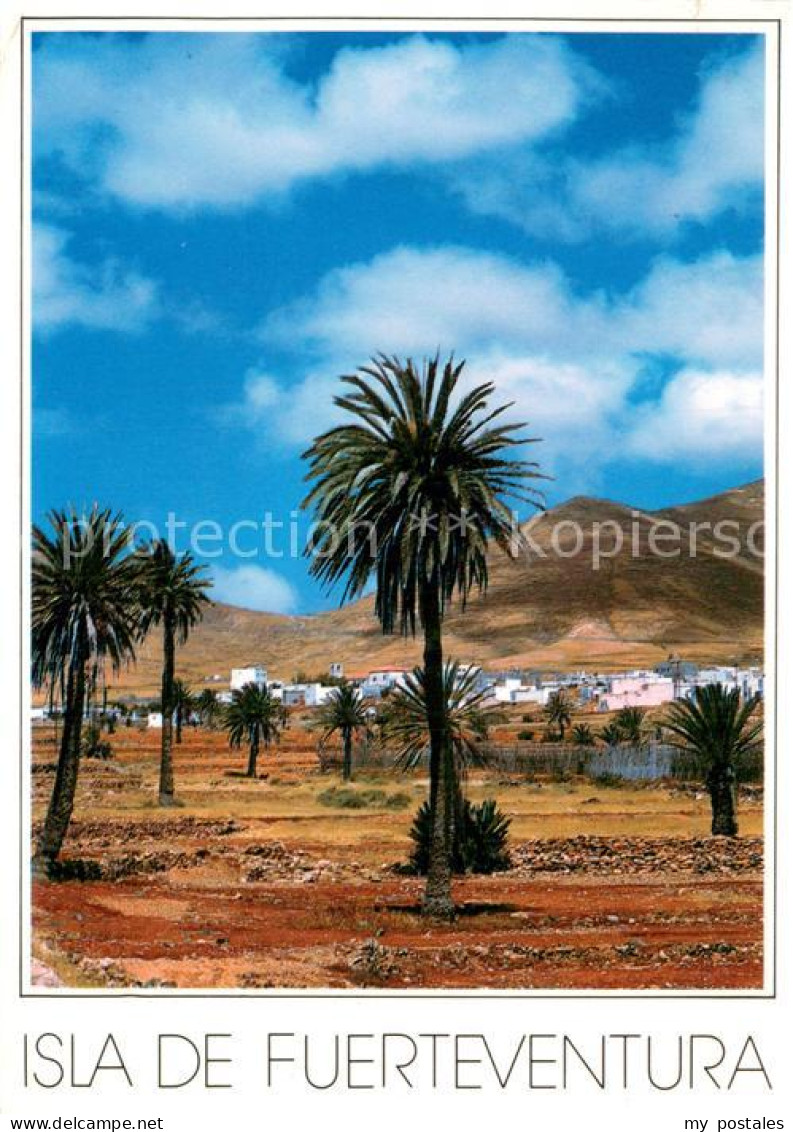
x,y
255,884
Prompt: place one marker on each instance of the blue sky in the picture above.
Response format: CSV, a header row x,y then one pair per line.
x,y
224,224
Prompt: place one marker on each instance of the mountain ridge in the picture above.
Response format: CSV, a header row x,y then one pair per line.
x,y
554,611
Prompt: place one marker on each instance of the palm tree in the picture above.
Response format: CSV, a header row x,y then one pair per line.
x,y
582,735
718,727
558,711
256,717
344,713
611,735
84,613
208,707
172,594
630,721
182,706
468,716
423,470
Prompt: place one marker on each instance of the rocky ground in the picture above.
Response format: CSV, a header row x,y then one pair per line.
x,y
249,885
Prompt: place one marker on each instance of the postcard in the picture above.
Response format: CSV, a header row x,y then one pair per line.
x,y
396,644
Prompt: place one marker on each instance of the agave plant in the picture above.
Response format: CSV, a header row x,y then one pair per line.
x,y
481,844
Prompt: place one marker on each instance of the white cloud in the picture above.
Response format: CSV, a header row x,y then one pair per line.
x,y
714,161
65,292
570,363
254,587
702,417
193,121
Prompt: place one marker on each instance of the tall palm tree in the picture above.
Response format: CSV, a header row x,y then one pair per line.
x,y
422,470
84,613
558,711
343,713
721,729
208,707
182,706
255,717
172,594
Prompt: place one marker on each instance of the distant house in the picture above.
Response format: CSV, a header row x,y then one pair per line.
x,y
305,695
636,689
336,670
382,680
252,674
154,720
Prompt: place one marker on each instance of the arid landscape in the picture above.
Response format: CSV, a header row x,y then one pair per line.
x,y
282,881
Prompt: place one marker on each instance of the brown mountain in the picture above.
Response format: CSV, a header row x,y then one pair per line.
x,y
548,608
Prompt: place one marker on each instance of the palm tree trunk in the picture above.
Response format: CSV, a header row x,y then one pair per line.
x,y
346,771
253,755
166,756
721,785
59,812
438,892
179,724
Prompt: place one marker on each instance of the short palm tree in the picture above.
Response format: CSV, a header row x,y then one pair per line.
x,y
469,718
582,735
631,724
468,714
255,717
611,735
173,595
84,613
182,706
208,707
343,713
720,729
409,490
559,710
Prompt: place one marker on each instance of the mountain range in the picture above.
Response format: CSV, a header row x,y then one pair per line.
x,y
547,608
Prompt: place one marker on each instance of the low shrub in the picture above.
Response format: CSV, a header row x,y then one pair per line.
x,y
348,798
608,780
526,734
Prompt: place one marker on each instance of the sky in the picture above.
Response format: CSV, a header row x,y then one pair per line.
x,y
224,224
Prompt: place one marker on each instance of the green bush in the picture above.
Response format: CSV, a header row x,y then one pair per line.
x,y
348,798
526,734
479,846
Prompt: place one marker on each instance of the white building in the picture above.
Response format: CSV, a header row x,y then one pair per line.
x,y
382,680
305,695
337,670
154,719
637,689
253,674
